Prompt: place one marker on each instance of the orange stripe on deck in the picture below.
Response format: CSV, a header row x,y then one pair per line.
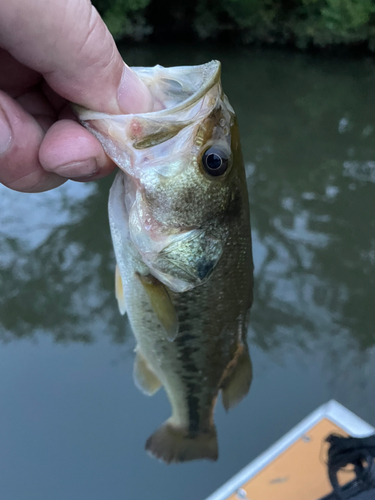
x,y
300,472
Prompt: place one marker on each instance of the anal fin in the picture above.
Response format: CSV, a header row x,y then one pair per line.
x,y
144,378
119,290
237,384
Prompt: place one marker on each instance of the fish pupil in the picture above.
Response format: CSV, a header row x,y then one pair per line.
x,y
215,161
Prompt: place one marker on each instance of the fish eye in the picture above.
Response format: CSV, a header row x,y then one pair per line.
x,y
215,161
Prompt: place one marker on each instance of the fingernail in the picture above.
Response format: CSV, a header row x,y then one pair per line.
x,y
81,168
5,133
133,96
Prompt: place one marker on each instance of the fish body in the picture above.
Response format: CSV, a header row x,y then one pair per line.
x,y
180,225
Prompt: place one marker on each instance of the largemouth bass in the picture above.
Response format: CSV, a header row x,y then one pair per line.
x,y
179,219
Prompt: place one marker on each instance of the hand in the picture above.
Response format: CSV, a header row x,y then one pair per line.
x,y
51,52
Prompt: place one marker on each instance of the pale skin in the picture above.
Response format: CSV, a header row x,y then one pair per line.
x,y
53,52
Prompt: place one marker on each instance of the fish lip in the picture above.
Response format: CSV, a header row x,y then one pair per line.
x,y
85,114
209,83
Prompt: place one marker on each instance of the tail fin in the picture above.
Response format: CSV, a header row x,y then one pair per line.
x,y
174,444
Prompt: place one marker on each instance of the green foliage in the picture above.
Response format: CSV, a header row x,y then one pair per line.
x,y
347,16
124,17
327,22
299,22
253,18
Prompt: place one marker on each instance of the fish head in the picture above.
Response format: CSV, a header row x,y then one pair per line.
x,y
180,171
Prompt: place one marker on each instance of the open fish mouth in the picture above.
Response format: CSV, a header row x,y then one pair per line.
x,y
187,94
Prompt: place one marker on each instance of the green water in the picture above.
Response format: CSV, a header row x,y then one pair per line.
x,y
72,423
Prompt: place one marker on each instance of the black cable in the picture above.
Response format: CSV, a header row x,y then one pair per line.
x,y
357,451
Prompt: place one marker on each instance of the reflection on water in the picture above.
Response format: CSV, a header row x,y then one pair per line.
x,y
56,264
308,136
310,150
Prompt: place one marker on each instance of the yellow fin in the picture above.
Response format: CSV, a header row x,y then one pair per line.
x,y
237,384
173,444
119,290
144,378
162,304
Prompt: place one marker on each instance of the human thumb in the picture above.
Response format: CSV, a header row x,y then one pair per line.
x,y
69,44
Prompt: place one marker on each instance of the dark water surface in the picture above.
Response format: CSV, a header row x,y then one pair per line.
x,y
72,423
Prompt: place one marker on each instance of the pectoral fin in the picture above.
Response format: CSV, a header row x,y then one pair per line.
x,y
162,304
119,291
237,384
144,378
